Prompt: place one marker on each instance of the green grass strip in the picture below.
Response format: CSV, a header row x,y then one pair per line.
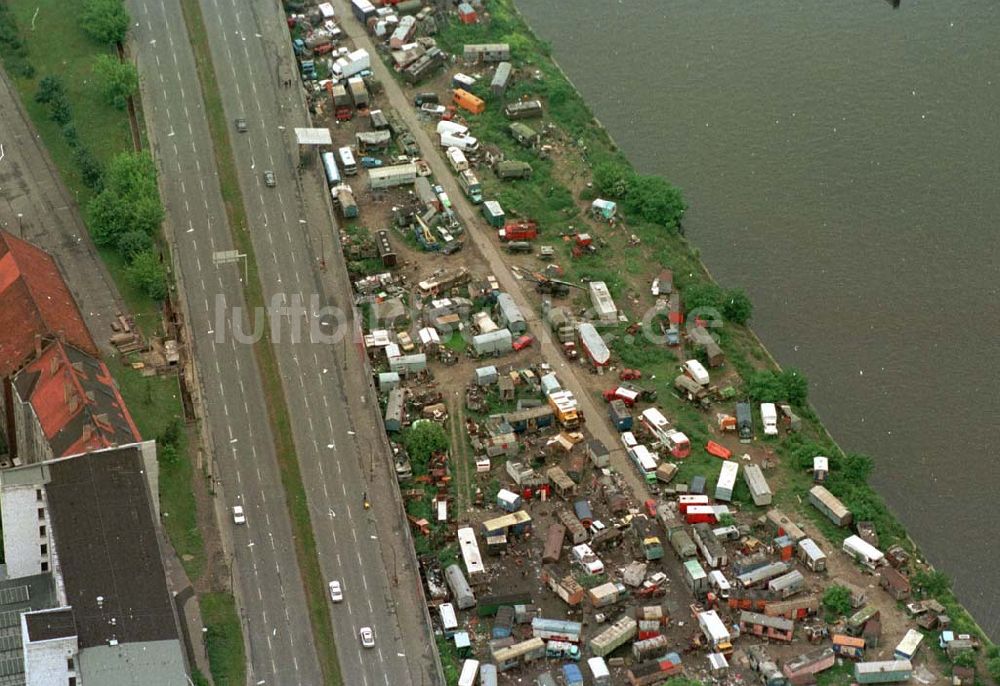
x,y
277,408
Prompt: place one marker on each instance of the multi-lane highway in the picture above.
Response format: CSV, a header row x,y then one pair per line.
x,y
336,436
267,577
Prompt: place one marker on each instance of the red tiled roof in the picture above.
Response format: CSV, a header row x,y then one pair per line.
x,y
76,401
34,300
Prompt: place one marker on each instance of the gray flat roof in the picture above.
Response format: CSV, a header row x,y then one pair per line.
x,y
105,535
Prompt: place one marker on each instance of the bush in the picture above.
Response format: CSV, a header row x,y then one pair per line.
x,y
148,274
993,667
116,80
424,440
736,306
106,21
612,179
766,386
133,243
50,88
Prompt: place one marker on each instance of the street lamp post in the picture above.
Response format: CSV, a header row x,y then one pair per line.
x,y
20,225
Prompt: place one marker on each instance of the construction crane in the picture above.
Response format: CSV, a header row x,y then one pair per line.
x,y
547,285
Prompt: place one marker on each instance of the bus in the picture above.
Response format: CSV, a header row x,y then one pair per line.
x,y
347,161
644,462
332,171
471,556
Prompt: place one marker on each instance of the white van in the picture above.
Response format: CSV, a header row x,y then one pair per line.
x,y
463,143
717,580
457,159
585,557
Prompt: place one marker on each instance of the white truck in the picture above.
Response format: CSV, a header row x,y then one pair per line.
x,y
451,127
769,416
585,557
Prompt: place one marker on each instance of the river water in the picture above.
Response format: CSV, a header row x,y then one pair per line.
x,y
841,159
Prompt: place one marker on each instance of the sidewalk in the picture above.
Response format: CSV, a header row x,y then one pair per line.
x,y
30,186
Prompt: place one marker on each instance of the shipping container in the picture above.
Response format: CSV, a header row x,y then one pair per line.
x,y
493,213
501,77
513,169
695,577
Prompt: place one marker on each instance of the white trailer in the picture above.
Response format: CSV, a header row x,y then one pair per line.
x,y
457,159
727,481
863,551
696,370
769,415
469,671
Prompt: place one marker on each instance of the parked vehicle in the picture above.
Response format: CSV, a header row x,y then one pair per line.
x,y
371,162
241,125
422,99
523,342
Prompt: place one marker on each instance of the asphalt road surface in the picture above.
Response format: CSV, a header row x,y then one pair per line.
x,y
267,578
337,436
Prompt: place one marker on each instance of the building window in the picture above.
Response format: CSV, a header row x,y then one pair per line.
x,y
44,548
45,566
41,530
69,664
41,513
72,681
38,494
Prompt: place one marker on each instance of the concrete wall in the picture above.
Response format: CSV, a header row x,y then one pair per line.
x,y
22,542
47,662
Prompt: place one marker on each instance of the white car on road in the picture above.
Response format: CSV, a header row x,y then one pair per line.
x,y
336,594
238,516
367,637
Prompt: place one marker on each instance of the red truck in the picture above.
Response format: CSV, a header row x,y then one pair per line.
x,y
519,231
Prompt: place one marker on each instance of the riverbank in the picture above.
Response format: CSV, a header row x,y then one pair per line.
x,y
627,268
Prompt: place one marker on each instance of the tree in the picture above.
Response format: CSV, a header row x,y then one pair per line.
x,y
736,306
856,467
795,385
764,386
934,584
129,201
148,275
116,80
612,179
106,21
655,200
132,243
837,600
425,439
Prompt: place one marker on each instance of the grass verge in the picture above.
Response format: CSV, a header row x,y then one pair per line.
x,y
222,639
155,404
57,46
291,476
